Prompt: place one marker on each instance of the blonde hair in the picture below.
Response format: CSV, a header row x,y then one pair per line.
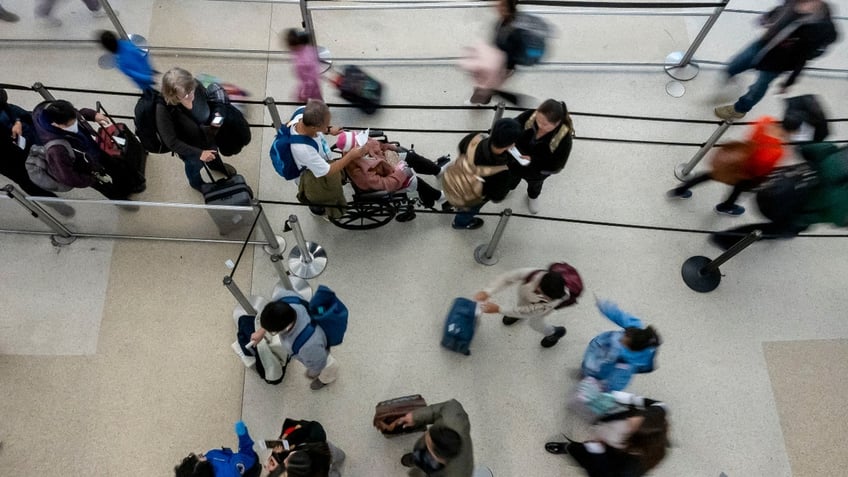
x,y
176,84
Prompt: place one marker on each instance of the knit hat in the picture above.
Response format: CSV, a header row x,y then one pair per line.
x,y
505,132
346,141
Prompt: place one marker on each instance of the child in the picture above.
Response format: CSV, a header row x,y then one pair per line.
x,y
306,65
131,60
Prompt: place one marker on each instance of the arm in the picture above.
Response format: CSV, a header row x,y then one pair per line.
x,y
338,165
561,153
617,316
245,442
502,281
434,412
167,131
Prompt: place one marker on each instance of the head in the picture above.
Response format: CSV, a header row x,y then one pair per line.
x,y
178,87
442,442
507,9
316,117
61,114
194,466
552,286
305,460
638,339
550,114
296,38
109,41
504,134
277,317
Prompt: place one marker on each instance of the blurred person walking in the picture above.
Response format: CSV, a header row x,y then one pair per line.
x,y
44,11
307,68
797,31
7,16
130,59
489,66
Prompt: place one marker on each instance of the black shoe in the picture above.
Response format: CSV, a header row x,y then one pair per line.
x,y
508,320
230,170
475,223
548,341
315,210
407,461
557,447
446,207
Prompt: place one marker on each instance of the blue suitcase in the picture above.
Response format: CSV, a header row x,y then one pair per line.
x,y
459,326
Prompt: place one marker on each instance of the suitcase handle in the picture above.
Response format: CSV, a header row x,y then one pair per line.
x,y
209,171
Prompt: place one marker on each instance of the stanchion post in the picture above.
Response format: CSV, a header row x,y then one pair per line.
x,y
239,296
485,253
62,237
499,111
683,170
295,284
114,18
680,65
43,91
702,274
306,15
276,244
275,114
307,259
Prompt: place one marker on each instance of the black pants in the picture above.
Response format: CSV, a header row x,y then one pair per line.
x,y
612,463
421,164
738,189
13,166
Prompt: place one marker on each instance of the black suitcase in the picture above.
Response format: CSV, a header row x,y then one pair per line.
x,y
230,191
360,89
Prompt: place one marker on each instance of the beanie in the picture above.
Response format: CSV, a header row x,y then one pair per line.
x,y
505,132
346,141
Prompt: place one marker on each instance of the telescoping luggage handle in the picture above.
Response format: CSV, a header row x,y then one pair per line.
x,y
209,171
100,109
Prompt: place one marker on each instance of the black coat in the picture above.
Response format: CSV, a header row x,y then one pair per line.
x,y
544,162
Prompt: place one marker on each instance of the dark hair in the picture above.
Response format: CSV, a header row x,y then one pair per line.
x,y
552,285
60,111
505,132
277,316
511,8
649,442
446,441
299,464
556,111
4,98
109,41
315,113
792,121
295,37
642,338
192,466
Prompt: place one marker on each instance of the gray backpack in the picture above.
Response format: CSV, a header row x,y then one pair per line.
x,y
36,166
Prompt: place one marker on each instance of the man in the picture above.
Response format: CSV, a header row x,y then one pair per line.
x,y
481,172
321,181
546,143
797,31
291,328
223,462
539,293
445,449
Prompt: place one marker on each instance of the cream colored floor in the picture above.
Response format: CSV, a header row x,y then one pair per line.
x,y
115,358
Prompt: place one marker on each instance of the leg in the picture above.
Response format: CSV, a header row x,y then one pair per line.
x,y
534,187
193,166
738,189
421,164
330,372
744,60
756,91
465,219
538,324
682,191
429,194
336,460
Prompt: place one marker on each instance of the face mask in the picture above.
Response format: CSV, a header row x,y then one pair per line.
x,y
73,128
425,461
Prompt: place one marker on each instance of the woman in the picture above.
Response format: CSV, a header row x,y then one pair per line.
x,y
308,454
492,66
187,124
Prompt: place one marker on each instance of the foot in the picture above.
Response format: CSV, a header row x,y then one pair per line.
x,y
49,21
316,385
557,447
446,207
533,205
679,194
407,461
8,16
318,211
311,376
508,320
732,209
551,340
475,223
728,113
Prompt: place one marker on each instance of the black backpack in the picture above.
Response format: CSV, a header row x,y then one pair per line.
x,y
145,122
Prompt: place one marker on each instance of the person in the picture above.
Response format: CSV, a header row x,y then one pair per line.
x,y
795,210
285,322
320,183
7,16
445,449
797,31
223,462
539,294
546,142
389,167
307,68
186,123
743,165
481,172
87,166
613,357
44,10
492,66
321,458
804,119
130,59
626,443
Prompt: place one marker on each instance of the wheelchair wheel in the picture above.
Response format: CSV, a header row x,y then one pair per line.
x,y
366,215
406,210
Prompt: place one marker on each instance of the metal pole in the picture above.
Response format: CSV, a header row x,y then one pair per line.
x,y
484,253
702,274
239,296
499,111
114,18
275,114
295,284
679,65
276,244
298,236
307,259
307,22
63,235
683,170
733,251
40,89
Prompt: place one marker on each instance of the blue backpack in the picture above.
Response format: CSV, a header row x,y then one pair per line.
x,y
281,155
326,311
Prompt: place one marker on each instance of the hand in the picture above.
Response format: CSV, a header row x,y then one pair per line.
x,y
481,296
241,429
101,119
334,130
257,336
207,156
387,146
490,307
403,421
17,129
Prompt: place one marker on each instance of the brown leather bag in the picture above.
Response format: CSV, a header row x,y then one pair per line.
x,y
729,163
387,412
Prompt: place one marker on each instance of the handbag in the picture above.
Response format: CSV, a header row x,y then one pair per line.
x,y
387,412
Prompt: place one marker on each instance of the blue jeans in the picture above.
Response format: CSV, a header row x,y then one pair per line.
x,y
464,216
193,166
745,61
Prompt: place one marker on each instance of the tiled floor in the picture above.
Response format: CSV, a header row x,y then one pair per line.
x,y
118,351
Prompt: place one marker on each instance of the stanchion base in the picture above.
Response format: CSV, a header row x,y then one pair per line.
x,y
675,89
679,172
694,277
682,73
301,287
480,255
59,241
140,42
325,58
302,269
270,251
106,61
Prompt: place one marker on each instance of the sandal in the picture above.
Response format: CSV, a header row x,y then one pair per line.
x,y
557,447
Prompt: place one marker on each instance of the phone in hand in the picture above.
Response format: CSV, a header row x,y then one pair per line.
x,y
217,121
272,443
21,142
517,155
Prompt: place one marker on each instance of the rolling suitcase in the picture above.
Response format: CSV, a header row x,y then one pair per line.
x,y
389,411
360,89
123,156
230,191
459,326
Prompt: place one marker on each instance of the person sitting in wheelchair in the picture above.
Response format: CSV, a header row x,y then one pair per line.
x,y
391,168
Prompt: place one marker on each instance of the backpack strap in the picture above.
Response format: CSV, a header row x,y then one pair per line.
x,y
302,338
530,276
301,139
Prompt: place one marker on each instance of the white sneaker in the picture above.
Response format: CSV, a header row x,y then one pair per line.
x,y
533,205
49,21
248,361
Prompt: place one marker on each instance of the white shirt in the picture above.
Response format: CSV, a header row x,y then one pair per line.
x,y
306,156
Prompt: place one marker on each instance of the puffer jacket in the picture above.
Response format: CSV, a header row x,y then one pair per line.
x,y
72,170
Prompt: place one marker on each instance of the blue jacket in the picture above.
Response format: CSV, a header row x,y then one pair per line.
x,y
227,463
134,63
608,360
